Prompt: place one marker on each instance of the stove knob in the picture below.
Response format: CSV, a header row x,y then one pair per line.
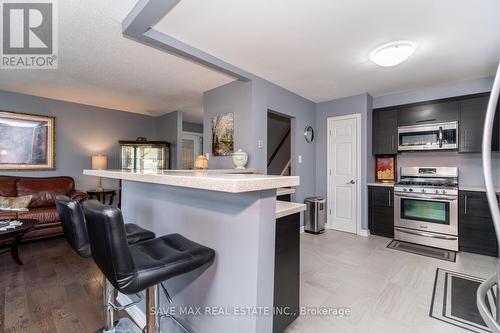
x,y
437,191
443,191
411,190
423,190
404,190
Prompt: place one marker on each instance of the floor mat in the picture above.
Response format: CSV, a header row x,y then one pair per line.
x,y
454,300
422,250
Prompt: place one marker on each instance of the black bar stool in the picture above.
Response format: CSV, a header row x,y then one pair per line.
x,y
75,232
134,268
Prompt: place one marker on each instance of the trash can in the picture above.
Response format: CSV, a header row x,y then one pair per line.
x,y
315,215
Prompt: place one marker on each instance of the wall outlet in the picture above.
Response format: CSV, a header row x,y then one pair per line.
x,y
207,155
300,159
260,144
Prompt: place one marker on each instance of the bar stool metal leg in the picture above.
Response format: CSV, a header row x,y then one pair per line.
x,y
177,321
152,313
108,293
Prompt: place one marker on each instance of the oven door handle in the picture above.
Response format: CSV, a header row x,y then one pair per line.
x,y
425,234
425,196
440,137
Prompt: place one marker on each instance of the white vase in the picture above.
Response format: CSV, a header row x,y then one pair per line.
x,y
240,159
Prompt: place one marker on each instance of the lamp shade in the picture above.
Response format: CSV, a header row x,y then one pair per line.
x,y
99,162
201,162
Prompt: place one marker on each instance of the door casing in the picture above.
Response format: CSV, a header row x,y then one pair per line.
x,y
329,160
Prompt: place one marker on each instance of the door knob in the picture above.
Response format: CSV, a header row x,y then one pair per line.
x,y
351,182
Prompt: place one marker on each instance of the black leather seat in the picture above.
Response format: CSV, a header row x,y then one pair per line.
x,y
75,228
133,268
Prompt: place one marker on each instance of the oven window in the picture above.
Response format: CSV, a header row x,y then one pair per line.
x,y
419,138
426,211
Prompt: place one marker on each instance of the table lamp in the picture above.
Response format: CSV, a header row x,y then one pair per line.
x,y
201,162
99,162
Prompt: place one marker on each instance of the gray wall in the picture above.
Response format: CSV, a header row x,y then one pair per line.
x,y
169,128
84,130
340,107
236,98
192,127
268,96
470,165
250,103
81,131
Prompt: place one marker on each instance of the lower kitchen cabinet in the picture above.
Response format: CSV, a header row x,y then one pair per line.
x,y
476,232
381,210
286,271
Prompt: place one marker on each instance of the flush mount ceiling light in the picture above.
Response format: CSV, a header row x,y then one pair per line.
x,y
394,53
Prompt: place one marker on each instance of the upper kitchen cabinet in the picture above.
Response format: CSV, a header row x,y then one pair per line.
x,y
429,113
385,132
472,114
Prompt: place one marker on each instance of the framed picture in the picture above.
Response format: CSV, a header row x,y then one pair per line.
x,y
223,135
385,168
27,142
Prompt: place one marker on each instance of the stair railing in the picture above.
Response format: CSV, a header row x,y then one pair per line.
x,y
273,155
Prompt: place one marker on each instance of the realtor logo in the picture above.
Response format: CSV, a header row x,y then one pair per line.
x,y
29,35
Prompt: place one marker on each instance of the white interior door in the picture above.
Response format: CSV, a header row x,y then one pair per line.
x,y
192,146
343,173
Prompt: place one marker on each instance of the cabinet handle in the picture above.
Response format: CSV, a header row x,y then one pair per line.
x,y
465,139
392,142
465,204
389,198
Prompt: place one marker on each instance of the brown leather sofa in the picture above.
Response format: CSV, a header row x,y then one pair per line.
x,y
42,206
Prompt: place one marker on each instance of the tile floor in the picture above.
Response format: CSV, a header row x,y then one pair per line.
x,y
386,290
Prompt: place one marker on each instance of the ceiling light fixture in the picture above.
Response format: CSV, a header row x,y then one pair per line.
x,y
394,53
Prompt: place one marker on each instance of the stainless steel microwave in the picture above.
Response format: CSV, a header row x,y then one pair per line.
x,y
438,136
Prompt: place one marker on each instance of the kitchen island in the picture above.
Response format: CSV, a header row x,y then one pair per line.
x,y
235,214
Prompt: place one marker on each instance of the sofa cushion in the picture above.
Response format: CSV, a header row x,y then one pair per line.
x,y
15,203
8,215
8,186
42,214
44,190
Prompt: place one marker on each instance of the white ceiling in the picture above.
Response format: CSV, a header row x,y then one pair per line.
x,y
319,48
99,66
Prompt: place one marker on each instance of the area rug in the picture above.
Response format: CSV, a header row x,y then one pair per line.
x,y
454,300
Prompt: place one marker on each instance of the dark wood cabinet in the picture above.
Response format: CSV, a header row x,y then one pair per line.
x,y
476,232
284,197
286,271
429,113
472,113
385,132
381,210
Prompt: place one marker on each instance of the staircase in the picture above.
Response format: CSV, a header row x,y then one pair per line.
x,y
279,163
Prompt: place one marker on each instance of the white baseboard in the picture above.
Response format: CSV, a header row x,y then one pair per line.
x,y
364,232
302,229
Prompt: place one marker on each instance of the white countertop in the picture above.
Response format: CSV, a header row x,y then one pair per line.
x,y
284,191
285,208
475,188
391,184
231,180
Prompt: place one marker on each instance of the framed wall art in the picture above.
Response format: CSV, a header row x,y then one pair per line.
x,y
385,168
27,142
223,135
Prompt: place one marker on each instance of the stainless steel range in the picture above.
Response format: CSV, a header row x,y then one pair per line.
x,y
426,206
